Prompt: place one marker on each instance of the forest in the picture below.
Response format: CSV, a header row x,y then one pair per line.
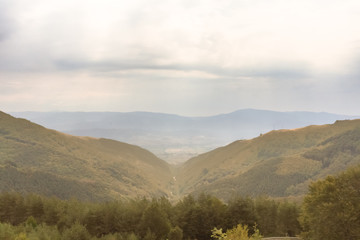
x,y
330,210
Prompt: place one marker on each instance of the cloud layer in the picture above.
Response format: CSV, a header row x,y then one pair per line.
x,y
186,57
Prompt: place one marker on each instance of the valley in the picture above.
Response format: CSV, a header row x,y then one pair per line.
x,y
280,163
175,138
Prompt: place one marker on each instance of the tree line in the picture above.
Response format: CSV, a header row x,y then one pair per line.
x,y
331,210
190,218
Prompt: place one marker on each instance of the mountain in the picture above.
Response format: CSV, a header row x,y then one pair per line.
x,y
39,160
176,138
280,163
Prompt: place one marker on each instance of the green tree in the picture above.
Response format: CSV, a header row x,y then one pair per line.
x,y
31,221
331,209
132,236
21,236
131,215
72,211
94,222
155,220
150,235
267,216
176,233
185,216
53,210
44,232
35,206
218,234
76,232
196,217
211,213
240,232
6,231
288,224
12,208
240,211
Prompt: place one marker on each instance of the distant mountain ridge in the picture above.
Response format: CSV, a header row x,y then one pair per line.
x,y
177,138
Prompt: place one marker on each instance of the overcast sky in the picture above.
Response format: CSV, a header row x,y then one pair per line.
x,y
188,57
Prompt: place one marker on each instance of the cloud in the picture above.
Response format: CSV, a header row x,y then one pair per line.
x,y
6,23
156,54
225,37
273,71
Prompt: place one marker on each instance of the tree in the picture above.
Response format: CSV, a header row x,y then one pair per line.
x,y
31,221
288,224
149,235
35,206
331,209
6,231
240,211
77,231
155,221
176,233
185,216
12,208
240,232
21,236
196,217
267,216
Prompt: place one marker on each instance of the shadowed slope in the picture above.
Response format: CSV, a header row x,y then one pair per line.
x,y
54,163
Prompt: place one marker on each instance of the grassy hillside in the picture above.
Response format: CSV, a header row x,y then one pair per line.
x,y
36,159
176,138
279,163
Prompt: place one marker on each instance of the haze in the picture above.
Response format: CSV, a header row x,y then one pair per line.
x,y
192,58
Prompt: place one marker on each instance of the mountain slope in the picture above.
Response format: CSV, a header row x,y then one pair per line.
x,y
176,138
279,163
36,159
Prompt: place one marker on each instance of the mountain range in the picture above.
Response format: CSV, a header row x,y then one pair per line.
x,y
177,138
280,163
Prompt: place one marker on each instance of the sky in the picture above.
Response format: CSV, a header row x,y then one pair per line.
x,y
186,57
